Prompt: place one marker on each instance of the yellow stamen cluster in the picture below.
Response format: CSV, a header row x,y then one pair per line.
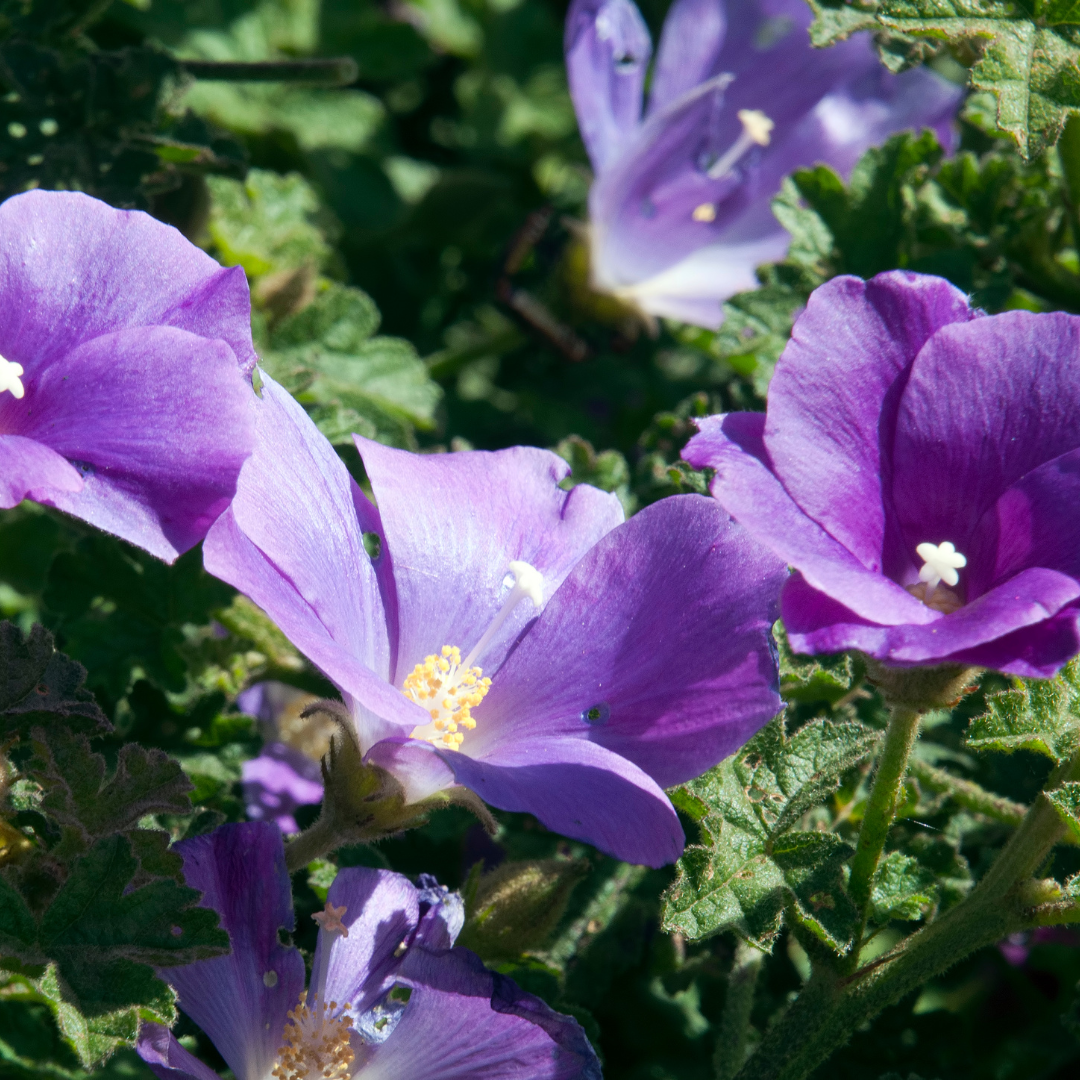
x,y
449,692
315,1044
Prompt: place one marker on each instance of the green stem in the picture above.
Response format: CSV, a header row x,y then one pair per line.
x,y
333,71
1069,154
731,1043
829,1009
968,795
311,844
896,750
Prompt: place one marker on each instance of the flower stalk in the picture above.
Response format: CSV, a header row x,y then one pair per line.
x,y
319,71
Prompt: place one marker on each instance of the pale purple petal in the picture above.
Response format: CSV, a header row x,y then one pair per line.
x,y
607,53
157,1046
454,522
241,1000
279,781
689,50
442,914
748,489
381,911
578,789
414,764
833,398
30,470
986,402
463,1021
73,268
158,419
664,629
816,623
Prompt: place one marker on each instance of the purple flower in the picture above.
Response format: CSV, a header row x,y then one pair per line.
x,y
680,210
388,997
621,658
919,466
125,362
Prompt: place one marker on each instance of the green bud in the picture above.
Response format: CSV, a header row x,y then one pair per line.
x,y
922,688
516,906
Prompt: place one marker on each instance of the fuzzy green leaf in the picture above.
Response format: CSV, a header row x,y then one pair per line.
x,y
754,866
1066,801
1042,715
38,685
902,889
812,678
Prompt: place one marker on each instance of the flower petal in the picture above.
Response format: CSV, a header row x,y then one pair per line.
x,y
664,627
607,48
414,763
157,1046
578,789
30,470
747,488
833,399
1035,652
463,1021
382,911
241,1000
453,523
278,781
817,623
231,556
160,421
73,268
986,402
689,51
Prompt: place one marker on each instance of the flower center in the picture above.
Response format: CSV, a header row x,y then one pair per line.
x,y
940,564
9,377
449,687
315,1043
757,131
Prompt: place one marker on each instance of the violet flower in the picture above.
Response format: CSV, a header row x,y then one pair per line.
x,y
918,466
649,661
389,997
282,778
680,211
125,363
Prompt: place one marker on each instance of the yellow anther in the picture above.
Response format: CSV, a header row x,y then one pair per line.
x,y
315,1043
705,212
456,690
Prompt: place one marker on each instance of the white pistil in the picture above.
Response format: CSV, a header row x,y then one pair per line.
x,y
940,563
9,377
757,131
528,582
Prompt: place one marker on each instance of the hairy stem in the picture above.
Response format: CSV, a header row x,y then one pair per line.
x,y
968,795
900,738
731,1043
314,842
332,71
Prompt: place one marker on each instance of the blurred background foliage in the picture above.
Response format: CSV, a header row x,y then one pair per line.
x,y
413,240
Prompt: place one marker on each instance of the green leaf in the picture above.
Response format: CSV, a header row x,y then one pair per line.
x,y
18,931
1066,801
107,938
1042,715
754,867
902,889
38,685
1025,54
812,678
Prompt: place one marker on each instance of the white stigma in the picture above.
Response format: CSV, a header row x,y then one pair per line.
x,y
940,563
9,377
757,131
528,582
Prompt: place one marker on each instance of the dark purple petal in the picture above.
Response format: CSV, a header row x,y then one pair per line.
x,y
747,488
157,1046
241,1000
578,789
1034,523
73,268
442,914
607,53
277,782
381,911
664,630
160,420
689,49
454,522
833,399
817,623
986,403
463,1021
30,470
1035,652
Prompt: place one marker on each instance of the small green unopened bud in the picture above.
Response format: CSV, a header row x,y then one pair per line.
x,y
515,907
